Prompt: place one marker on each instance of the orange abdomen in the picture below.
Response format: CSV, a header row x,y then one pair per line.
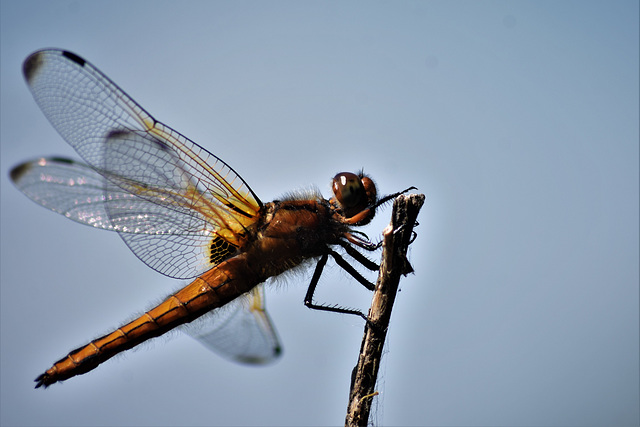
x,y
213,289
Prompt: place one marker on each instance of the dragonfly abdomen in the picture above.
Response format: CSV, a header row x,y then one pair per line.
x,y
213,289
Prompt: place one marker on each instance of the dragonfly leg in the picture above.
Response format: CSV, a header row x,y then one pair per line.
x,y
308,299
351,270
362,242
362,259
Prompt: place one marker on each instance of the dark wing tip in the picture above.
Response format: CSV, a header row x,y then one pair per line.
x,y
277,351
118,133
73,57
32,65
18,171
62,160
260,359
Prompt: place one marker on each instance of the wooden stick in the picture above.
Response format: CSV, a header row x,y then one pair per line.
x,y
396,239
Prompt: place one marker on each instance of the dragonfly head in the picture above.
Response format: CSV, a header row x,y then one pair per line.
x,y
355,196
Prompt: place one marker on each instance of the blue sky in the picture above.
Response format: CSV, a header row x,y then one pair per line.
x,y
518,120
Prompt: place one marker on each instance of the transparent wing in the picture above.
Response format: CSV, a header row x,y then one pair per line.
x,y
181,194
81,194
240,331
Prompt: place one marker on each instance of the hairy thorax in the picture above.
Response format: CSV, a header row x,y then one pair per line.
x,y
291,232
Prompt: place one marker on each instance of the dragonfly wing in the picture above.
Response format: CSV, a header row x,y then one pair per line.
x,y
67,187
184,197
90,111
80,193
240,331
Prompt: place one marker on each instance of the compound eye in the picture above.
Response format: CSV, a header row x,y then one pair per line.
x,y
348,189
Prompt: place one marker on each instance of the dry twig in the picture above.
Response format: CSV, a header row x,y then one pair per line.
x,y
396,239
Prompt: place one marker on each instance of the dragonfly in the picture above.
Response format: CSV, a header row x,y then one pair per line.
x,y
186,214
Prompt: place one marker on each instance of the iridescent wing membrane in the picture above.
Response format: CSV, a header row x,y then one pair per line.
x,y
179,208
181,189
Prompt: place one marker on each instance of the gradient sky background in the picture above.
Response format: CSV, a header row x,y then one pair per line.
x,y
518,120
